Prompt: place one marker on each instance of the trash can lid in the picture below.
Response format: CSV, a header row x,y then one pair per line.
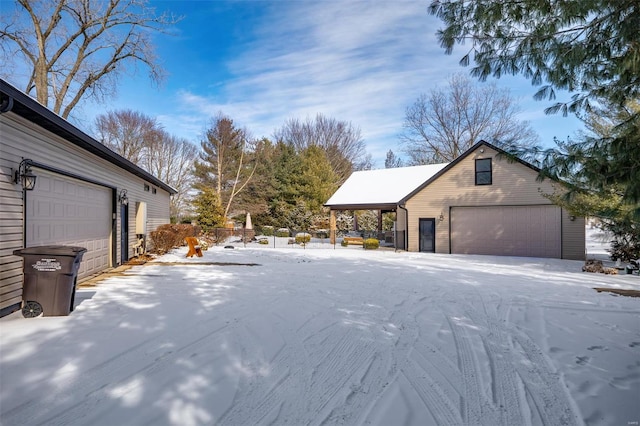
x,y
51,250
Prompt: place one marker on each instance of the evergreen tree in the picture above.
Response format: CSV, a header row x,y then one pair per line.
x,y
392,161
588,47
208,210
596,189
226,162
318,181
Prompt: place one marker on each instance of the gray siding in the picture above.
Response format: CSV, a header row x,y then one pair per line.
x,y
19,139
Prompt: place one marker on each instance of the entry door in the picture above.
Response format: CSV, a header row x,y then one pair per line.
x,y
124,233
428,235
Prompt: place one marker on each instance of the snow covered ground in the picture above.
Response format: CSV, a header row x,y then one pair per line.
x,y
325,336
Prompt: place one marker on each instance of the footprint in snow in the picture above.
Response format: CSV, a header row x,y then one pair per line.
x,y
598,348
582,360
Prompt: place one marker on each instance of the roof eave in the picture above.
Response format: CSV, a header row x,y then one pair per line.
x,y
29,109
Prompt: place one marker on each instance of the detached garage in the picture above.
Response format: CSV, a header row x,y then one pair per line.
x,y
481,203
84,194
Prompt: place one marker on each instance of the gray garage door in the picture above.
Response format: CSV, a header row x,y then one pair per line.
x,y
532,231
62,210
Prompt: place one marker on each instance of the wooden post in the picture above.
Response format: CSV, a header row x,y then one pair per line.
x,y
332,227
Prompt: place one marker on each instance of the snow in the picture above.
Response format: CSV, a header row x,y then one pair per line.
x,y
382,186
259,335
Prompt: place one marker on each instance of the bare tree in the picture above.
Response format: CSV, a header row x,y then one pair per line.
x,y
341,141
171,160
226,161
127,132
440,126
78,48
141,140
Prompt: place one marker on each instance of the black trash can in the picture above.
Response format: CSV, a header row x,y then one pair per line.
x,y
50,276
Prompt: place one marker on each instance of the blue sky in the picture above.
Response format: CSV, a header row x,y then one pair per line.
x,y
262,62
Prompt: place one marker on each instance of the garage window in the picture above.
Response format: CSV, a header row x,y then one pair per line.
x,y
483,171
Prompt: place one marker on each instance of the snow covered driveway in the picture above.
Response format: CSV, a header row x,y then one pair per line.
x,y
341,336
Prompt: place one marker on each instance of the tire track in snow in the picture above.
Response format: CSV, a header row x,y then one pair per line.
x,y
519,365
262,395
543,384
99,380
475,409
505,382
422,377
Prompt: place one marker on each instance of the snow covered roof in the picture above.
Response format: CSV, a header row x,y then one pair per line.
x,y
382,187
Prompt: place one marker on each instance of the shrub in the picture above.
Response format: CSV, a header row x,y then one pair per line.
x,y
282,232
371,244
322,233
267,231
168,236
162,240
263,241
303,238
344,243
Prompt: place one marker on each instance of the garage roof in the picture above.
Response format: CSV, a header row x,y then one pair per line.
x,y
381,189
23,105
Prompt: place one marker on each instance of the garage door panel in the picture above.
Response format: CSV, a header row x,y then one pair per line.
x,y
533,231
66,211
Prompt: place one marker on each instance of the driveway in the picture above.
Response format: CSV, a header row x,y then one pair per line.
x,y
277,336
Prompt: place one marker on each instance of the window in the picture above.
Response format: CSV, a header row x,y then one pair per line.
x,y
483,171
146,188
153,190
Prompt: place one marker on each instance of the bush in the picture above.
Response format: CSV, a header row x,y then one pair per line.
x,y
267,231
344,243
322,233
168,236
371,244
263,241
303,238
282,232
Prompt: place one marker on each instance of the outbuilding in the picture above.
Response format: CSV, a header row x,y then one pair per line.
x,y
84,194
484,202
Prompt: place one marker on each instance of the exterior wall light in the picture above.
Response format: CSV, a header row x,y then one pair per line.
x,y
441,217
23,175
122,198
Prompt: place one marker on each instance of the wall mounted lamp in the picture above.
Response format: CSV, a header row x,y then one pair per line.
x,y
441,217
122,198
23,175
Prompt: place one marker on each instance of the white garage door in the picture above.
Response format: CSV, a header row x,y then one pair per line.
x,y
532,231
66,211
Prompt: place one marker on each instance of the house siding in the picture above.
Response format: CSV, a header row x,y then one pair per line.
x,y
19,138
513,184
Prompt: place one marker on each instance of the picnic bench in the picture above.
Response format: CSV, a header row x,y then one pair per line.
x,y
194,247
353,240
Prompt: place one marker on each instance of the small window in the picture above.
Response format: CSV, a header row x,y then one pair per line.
x,y
153,190
146,187
483,171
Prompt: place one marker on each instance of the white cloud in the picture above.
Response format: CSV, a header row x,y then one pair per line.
x,y
358,61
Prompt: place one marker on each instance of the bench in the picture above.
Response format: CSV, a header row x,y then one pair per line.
x,y
194,247
353,240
